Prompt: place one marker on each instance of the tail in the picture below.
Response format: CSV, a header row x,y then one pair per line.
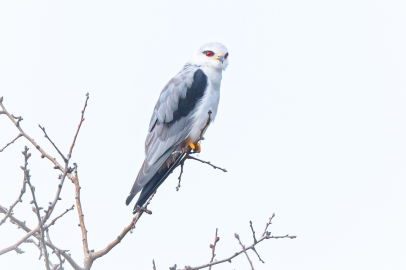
x,y
153,184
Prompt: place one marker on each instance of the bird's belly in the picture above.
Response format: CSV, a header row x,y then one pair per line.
x,y
208,103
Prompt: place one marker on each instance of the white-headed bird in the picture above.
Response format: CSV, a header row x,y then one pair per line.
x,y
179,117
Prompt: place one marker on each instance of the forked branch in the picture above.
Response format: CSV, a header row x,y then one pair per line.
x,y
244,249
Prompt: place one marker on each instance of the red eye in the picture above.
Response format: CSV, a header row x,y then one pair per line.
x,y
209,53
225,56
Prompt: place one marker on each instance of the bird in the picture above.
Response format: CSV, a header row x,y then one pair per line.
x,y
179,118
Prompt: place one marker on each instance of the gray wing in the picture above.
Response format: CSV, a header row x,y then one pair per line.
x,y
171,121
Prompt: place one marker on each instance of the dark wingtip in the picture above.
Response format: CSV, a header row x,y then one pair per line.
x,y
129,198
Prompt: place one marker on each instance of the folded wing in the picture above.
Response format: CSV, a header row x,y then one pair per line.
x,y
171,123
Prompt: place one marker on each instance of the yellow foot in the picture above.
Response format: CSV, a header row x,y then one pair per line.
x,y
195,146
198,148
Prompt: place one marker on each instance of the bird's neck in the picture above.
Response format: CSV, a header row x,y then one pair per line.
x,y
214,75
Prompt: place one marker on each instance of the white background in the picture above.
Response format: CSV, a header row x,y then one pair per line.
x,y
311,126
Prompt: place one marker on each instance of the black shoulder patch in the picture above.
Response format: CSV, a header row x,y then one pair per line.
x,y
193,95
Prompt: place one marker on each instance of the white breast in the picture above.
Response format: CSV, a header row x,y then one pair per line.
x,y
209,102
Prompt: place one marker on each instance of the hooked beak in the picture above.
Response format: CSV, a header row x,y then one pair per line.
x,y
220,57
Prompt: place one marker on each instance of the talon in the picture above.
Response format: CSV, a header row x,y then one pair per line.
x,y
195,147
198,148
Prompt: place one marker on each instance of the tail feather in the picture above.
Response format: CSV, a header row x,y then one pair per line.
x,y
154,183
146,173
130,198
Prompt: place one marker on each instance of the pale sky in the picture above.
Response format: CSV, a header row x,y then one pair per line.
x,y
311,126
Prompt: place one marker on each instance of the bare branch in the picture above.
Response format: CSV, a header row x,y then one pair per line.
x,y
253,232
52,205
267,224
49,139
21,224
37,208
18,118
213,248
245,251
43,153
255,241
206,162
80,124
206,125
153,264
95,255
18,250
259,257
189,151
19,242
19,135
181,172
58,217
80,211
19,199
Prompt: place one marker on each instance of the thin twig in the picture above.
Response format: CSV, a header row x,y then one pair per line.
x,y
206,125
207,162
19,135
43,153
49,139
259,257
253,232
95,255
213,248
245,251
268,223
80,124
18,118
19,199
181,172
37,208
21,224
255,241
58,217
51,207
189,151
153,265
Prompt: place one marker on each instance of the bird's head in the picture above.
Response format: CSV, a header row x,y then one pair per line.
x,y
212,54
